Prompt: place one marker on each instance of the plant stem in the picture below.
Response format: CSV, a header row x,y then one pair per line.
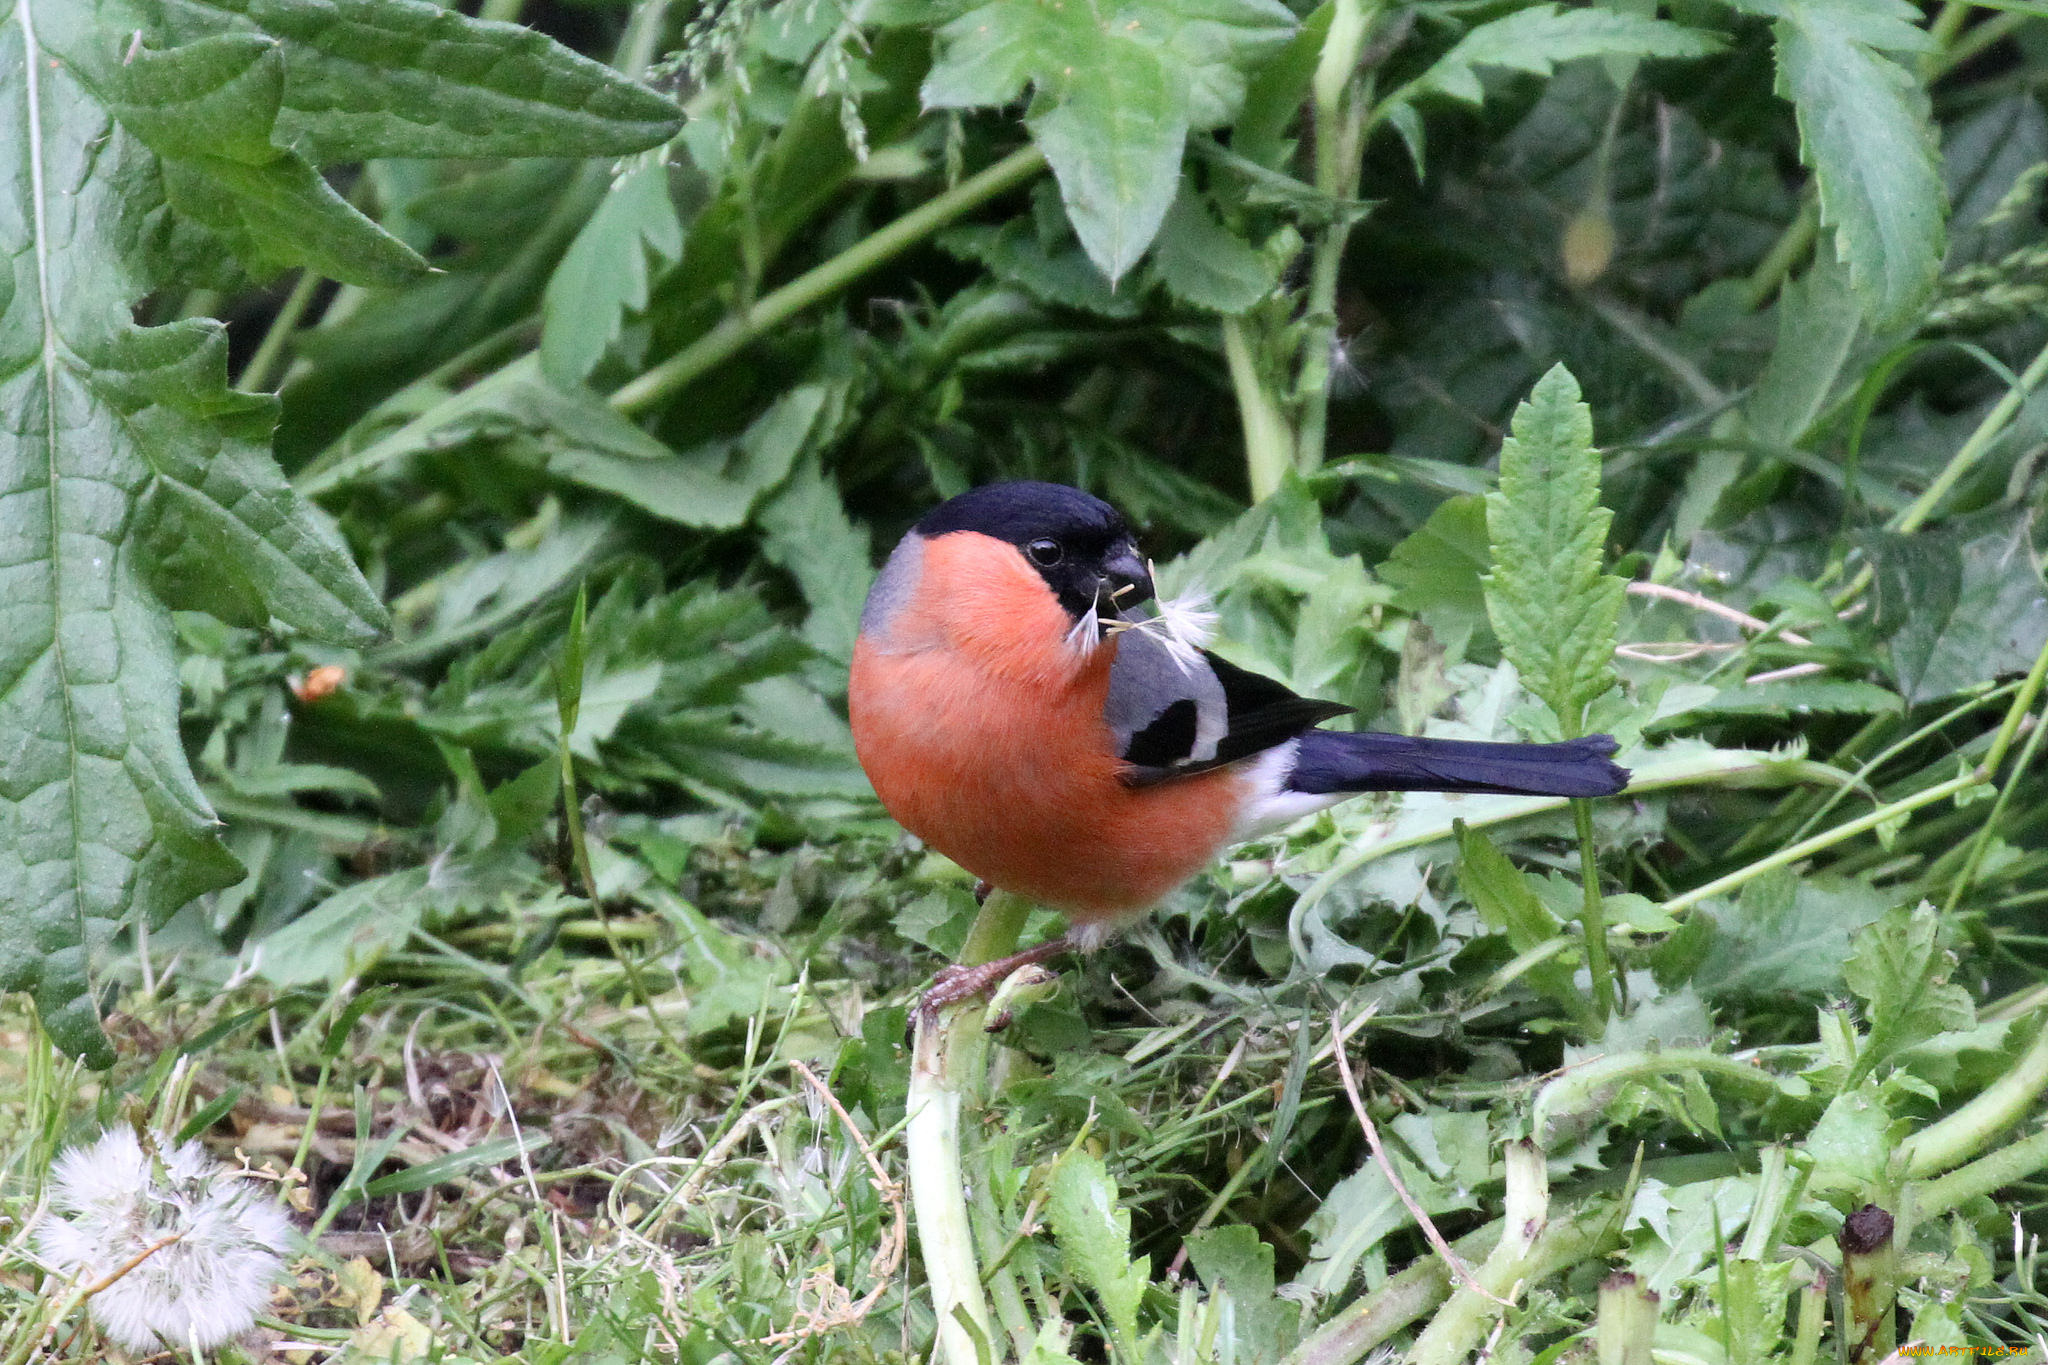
x,y
1339,143
1999,1105
1593,919
1268,446
737,330
945,1058
1456,1330
1790,248
1785,857
256,375
1915,515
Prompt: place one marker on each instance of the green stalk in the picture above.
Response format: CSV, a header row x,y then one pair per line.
x,y
1268,445
1915,515
1785,253
256,375
1593,919
1986,1175
1806,848
1351,1335
1339,144
1997,1107
735,332
1625,1320
945,1058
1458,1328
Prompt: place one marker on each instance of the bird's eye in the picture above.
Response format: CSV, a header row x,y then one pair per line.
x,y
1045,553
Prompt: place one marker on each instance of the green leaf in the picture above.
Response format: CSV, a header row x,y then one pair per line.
x,y
1510,906
1205,264
210,109
807,532
1237,1268
124,446
1866,132
1438,571
1818,324
1788,936
606,272
714,486
1960,605
1553,609
1900,969
1094,1237
378,78
1537,38
1117,88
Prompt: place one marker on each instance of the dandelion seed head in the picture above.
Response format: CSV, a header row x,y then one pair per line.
x,y
114,1200
1184,623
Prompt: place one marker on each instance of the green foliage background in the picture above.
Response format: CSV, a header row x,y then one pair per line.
x,y
412,417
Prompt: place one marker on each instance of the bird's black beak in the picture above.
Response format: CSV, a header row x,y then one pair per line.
x,y
1126,582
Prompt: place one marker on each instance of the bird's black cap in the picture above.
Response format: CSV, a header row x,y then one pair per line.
x,y
1019,512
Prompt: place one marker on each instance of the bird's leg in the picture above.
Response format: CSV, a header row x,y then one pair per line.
x,y
954,984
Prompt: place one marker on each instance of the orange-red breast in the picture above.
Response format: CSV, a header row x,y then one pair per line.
x,y
1012,711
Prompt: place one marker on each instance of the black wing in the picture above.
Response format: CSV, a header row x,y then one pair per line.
x,y
1175,714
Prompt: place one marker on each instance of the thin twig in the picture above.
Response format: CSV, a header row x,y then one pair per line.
x,y
1702,603
1379,1154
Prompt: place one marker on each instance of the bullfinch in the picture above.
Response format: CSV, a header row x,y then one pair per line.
x,y
1018,710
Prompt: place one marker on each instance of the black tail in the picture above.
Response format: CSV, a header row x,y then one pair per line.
x,y
1329,761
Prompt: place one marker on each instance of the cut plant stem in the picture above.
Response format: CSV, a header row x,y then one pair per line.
x,y
1461,1324
1870,1281
946,1056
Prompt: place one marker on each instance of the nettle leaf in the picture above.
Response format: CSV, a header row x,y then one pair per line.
x,y
371,78
1900,969
1536,39
123,445
1094,1237
132,480
1866,131
1117,87
605,273
1553,609
1203,263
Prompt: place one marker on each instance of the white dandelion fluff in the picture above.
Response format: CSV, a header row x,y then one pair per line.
x,y
219,1241
1184,623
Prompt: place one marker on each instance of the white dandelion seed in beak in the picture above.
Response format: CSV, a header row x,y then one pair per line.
x,y
205,1242
1184,623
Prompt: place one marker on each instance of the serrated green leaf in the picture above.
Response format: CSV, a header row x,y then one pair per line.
x,y
210,111
1238,1268
606,272
1438,571
1818,324
1117,87
377,78
120,439
1094,1237
1900,970
1537,38
1203,263
715,485
1787,936
1114,137
1866,132
1552,608
808,533
1505,900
